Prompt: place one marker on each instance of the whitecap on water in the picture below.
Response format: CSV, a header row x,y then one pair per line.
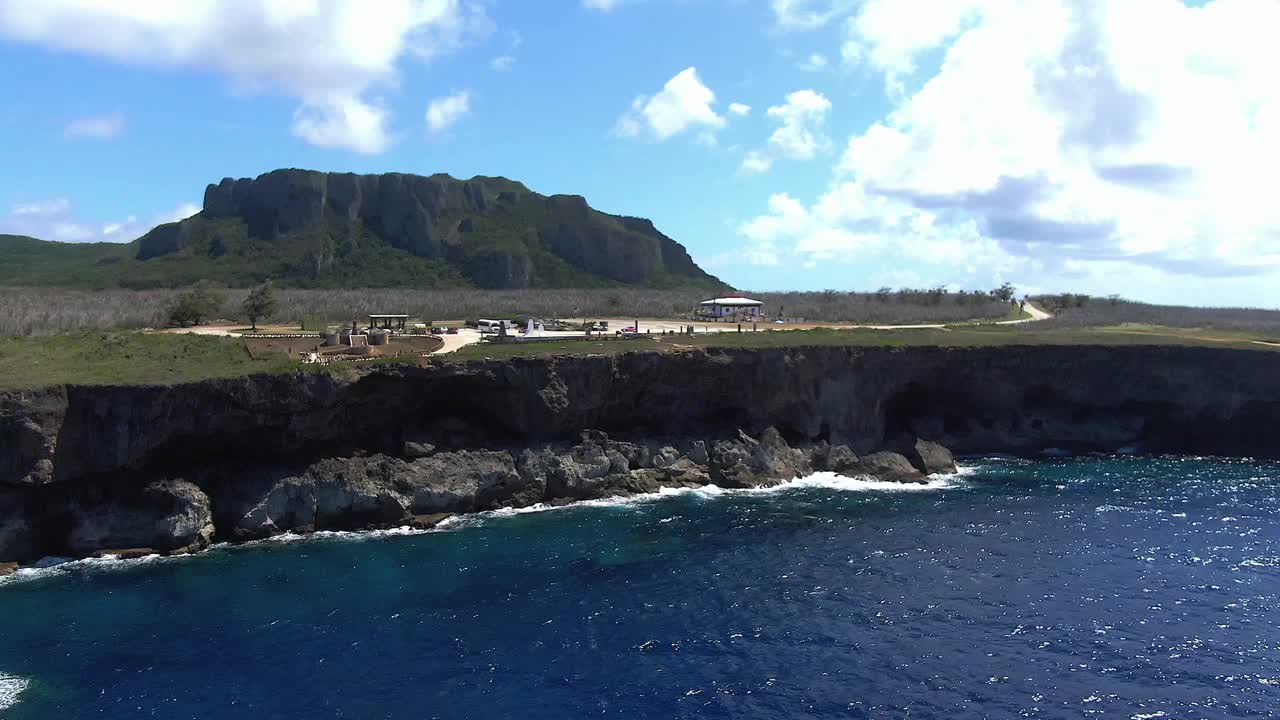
x,y
11,689
828,480
48,567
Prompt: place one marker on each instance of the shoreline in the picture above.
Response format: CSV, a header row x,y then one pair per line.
x,y
141,469
53,566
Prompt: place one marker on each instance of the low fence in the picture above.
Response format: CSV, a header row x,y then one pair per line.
x,y
602,336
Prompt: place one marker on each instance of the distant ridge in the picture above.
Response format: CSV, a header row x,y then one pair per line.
x,y
311,229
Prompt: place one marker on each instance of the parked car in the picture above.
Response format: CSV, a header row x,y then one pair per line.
x,y
437,330
451,331
629,330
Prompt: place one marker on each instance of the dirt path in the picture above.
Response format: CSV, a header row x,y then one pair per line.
x,y
1036,315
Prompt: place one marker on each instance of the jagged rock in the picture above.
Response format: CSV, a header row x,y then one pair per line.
x,y
664,457
165,514
698,452
837,459
8,568
426,522
29,435
886,466
466,481
377,491
126,553
930,458
685,473
747,462
414,450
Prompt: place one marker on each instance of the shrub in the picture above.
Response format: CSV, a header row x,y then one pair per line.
x,y
195,306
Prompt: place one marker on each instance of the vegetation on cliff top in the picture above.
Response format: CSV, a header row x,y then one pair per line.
x,y
95,358
110,358
43,311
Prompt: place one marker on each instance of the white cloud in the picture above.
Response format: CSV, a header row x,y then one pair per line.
x,y
601,5
443,112
98,127
739,109
814,63
312,51
502,63
1064,142
683,103
799,136
807,14
55,219
344,122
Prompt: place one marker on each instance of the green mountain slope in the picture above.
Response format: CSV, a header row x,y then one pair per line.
x,y
309,229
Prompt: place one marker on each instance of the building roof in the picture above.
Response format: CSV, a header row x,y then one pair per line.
x,y
393,317
732,302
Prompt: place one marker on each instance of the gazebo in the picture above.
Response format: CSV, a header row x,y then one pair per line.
x,y
388,322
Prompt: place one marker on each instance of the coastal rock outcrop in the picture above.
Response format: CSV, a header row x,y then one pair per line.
x,y
166,515
88,468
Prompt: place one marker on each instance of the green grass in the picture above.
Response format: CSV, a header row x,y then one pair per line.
x,y
962,335
971,336
106,358
163,358
502,351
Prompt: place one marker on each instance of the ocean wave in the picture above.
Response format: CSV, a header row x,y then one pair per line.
x,y
11,689
827,480
51,566
324,535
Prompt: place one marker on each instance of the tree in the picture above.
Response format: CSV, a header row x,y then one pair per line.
x,y
1004,293
196,305
260,303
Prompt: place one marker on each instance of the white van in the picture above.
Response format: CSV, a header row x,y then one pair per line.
x,y
489,326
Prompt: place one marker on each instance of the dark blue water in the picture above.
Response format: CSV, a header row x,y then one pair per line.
x,y
1107,587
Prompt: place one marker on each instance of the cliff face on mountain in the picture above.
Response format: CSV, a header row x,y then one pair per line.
x,y
487,231
83,468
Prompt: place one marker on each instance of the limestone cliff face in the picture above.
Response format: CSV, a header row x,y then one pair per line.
x,y
495,231
280,452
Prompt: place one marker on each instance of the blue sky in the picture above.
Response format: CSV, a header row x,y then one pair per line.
x,y
887,142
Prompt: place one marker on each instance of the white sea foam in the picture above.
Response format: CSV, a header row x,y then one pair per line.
x,y
50,566
11,689
322,535
53,566
817,480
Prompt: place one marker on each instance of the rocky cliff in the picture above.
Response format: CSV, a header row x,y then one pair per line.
x,y
320,228
84,468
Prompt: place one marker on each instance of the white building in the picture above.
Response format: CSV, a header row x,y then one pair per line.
x,y
731,307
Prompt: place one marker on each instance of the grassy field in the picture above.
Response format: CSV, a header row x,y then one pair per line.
x,y
957,336
98,358
159,358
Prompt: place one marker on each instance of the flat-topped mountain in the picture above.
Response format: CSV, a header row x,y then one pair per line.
x,y
314,229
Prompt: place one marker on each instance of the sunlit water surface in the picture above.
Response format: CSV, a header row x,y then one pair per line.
x,y
1118,587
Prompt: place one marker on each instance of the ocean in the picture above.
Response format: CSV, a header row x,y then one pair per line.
x,y
1111,587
